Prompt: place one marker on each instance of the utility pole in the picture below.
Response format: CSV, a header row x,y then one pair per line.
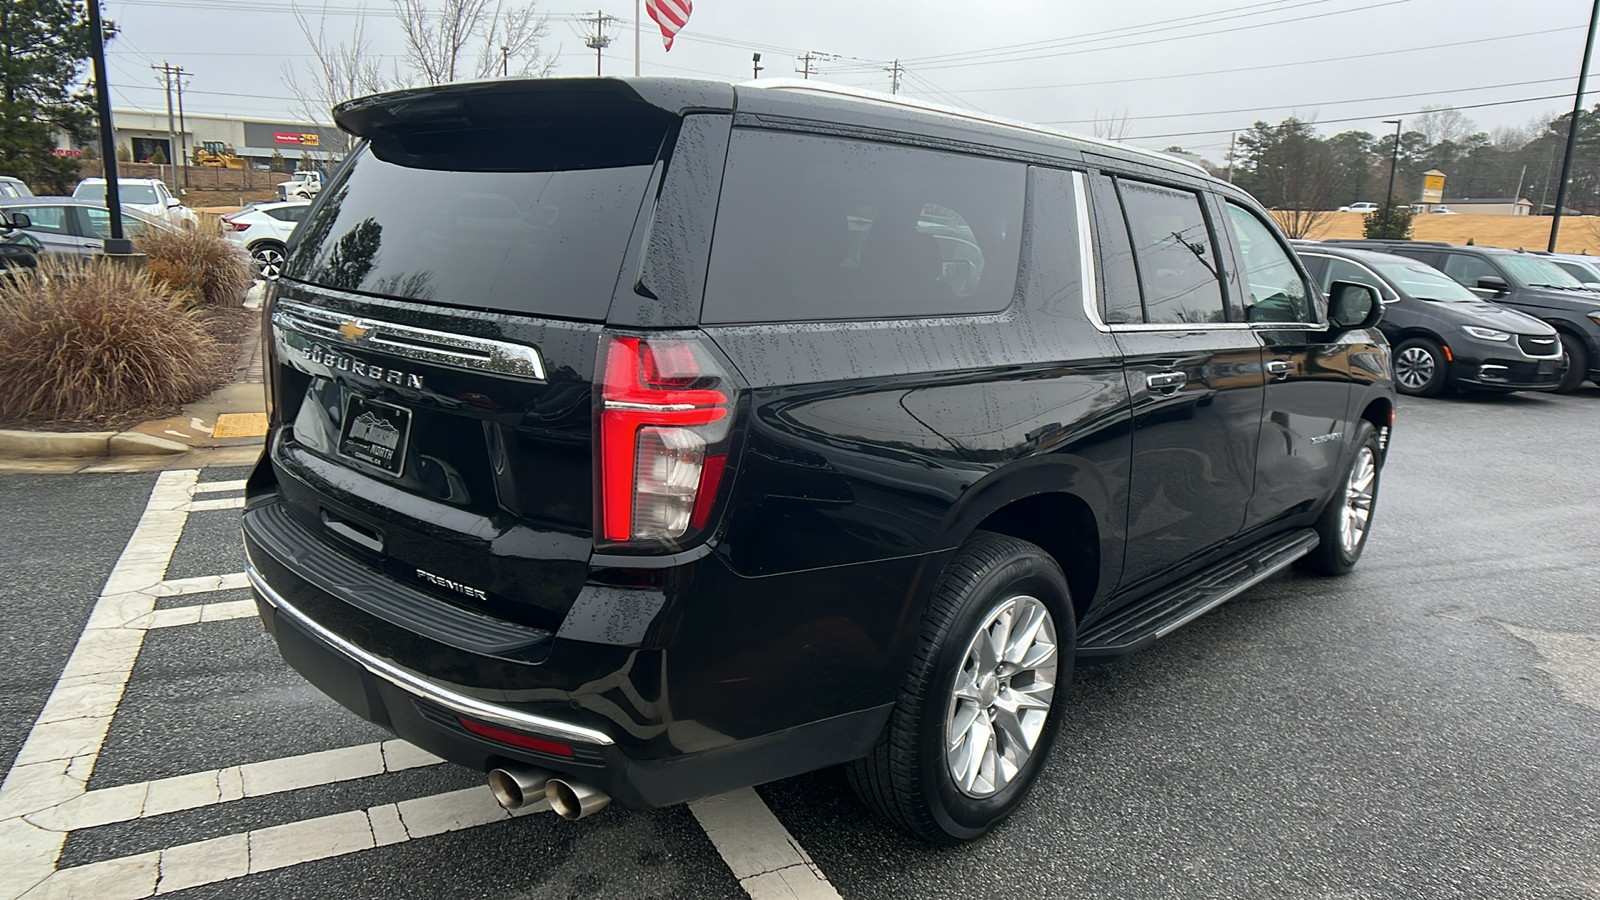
x,y
599,40
1234,136
172,137
636,18
755,65
813,56
183,130
894,77
1394,163
505,61
1572,128
805,66
117,244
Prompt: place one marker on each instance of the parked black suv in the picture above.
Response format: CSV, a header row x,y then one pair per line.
x,y
1522,281
1443,334
644,439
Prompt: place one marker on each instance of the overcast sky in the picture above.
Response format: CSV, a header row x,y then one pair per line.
x,y
1346,64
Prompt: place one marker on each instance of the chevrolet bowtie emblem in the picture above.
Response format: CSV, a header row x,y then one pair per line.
x,y
351,330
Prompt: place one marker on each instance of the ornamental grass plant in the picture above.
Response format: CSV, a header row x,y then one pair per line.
x,y
202,268
87,340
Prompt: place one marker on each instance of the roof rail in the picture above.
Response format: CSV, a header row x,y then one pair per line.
x,y
861,94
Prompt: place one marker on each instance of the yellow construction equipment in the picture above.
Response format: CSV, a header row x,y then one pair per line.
x,y
217,155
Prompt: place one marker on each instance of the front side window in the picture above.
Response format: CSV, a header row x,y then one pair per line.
x,y
1176,257
1345,270
813,228
1275,292
46,219
1424,282
1467,269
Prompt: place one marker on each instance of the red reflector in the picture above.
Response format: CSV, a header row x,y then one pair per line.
x,y
710,477
526,741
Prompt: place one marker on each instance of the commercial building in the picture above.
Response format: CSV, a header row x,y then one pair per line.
x,y
1491,206
255,140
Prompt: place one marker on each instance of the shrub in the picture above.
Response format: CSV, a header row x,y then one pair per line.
x,y
1400,215
198,266
82,340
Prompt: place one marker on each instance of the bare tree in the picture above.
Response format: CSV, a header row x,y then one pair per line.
x,y
338,70
472,39
461,39
1113,127
1442,123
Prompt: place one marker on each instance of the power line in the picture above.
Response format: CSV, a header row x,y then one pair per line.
x,y
1282,65
1164,40
1110,33
1365,118
1316,104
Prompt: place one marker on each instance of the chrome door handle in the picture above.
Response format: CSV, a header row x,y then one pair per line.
x,y
1165,381
1279,368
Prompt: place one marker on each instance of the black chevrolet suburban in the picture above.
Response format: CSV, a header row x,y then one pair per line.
x,y
645,439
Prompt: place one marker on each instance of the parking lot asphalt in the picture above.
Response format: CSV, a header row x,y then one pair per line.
x,y
1425,727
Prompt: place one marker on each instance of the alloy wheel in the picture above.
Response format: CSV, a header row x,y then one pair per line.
x,y
1358,496
1001,697
1414,367
269,261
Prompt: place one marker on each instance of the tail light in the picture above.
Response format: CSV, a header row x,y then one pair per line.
x,y
231,225
664,424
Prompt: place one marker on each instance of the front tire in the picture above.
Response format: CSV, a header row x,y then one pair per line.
x,y
1346,521
1420,369
978,711
1577,363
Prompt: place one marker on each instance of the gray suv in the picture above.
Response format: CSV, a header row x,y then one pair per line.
x,y
1522,281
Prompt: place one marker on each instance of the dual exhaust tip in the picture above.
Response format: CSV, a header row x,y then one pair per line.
x,y
517,786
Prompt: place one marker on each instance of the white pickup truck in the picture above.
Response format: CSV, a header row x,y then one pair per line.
x,y
303,186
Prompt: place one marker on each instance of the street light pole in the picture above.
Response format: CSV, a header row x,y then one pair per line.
x,y
117,244
1394,163
1572,128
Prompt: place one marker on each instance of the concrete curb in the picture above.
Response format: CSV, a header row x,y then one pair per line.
x,y
43,444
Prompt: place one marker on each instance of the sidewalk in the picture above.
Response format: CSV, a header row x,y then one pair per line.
x,y
222,428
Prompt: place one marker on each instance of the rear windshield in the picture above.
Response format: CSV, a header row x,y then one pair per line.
x,y
509,221
142,194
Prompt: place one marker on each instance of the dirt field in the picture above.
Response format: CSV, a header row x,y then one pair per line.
x,y
1579,234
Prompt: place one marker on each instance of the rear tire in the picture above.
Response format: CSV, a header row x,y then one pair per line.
x,y
1346,521
1577,363
973,724
269,259
1420,369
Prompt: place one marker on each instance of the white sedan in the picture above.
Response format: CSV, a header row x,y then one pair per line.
x,y
263,230
146,195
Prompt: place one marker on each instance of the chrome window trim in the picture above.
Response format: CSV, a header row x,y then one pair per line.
x,y
1198,326
416,685
1089,275
441,348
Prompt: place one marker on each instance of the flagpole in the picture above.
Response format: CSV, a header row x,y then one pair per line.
x,y
636,18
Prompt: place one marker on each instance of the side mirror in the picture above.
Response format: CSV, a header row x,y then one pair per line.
x,y
1494,283
174,201
20,220
1352,306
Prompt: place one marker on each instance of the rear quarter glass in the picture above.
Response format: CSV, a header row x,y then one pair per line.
x,y
447,222
813,228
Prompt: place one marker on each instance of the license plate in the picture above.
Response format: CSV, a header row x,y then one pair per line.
x,y
1547,367
375,433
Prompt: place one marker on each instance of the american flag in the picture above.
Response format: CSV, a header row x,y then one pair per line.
x,y
671,15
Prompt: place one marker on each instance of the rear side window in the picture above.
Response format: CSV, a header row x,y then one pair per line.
x,y
532,219
814,228
288,213
1176,257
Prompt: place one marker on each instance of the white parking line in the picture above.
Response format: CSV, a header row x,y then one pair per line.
x,y
769,863
44,796
218,503
206,487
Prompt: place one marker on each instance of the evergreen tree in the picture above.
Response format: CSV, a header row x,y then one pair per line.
x,y
44,45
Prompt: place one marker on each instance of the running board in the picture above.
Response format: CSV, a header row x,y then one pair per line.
x,y
1139,625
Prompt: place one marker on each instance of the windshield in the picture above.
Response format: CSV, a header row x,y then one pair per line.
x,y
1424,282
142,194
1537,272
